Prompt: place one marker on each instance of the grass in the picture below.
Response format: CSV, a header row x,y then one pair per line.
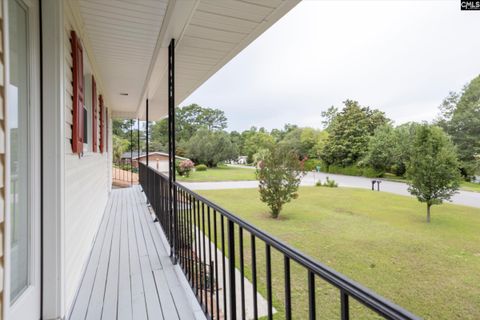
x,y
380,240
470,186
464,185
220,173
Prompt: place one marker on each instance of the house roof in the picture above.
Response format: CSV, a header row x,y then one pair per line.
x,y
134,155
129,41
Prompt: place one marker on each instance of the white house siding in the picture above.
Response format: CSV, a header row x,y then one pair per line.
x,y
87,179
2,159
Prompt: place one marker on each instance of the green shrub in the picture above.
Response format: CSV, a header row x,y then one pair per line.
x,y
349,170
279,175
328,183
399,169
311,165
372,173
184,167
355,171
201,167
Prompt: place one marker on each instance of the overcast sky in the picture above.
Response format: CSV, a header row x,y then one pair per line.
x,y
402,57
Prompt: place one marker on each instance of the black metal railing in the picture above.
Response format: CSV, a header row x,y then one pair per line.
x,y
210,244
124,172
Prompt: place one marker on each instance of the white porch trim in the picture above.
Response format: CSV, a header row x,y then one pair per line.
x,y
53,290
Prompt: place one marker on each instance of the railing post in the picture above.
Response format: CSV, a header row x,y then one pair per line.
x,y
131,152
231,268
173,226
146,145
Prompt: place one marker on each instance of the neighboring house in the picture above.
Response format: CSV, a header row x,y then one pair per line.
x,y
73,248
242,160
157,160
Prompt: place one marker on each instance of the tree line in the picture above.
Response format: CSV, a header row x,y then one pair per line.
x,y
355,139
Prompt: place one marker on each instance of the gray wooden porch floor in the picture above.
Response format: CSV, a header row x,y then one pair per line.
x,y
129,274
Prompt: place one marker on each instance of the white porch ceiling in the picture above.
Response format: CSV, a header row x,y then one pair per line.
x,y
123,35
130,39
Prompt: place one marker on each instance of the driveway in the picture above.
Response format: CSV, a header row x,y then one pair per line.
x,y
466,198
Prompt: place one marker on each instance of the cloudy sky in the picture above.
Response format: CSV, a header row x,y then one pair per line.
x,y
402,57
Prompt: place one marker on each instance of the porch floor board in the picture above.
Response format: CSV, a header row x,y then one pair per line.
x,y
129,274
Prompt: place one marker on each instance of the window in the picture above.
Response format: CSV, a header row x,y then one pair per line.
x,y
87,110
85,129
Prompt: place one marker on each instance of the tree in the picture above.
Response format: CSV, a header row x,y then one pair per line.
x,y
120,127
328,116
403,135
349,133
238,140
279,174
210,147
292,142
460,117
381,149
322,138
433,166
256,141
279,134
302,141
120,145
188,120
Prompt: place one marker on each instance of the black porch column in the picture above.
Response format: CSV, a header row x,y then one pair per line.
x,y
147,171
146,132
171,110
171,150
131,152
138,141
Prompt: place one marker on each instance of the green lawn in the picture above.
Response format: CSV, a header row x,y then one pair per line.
x,y
470,186
464,185
221,173
380,240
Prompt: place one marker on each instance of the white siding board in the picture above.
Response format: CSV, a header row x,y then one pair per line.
x,y
86,181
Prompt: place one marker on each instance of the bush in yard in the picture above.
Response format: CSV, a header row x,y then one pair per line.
x,y
433,167
201,167
328,183
279,175
348,170
185,167
372,173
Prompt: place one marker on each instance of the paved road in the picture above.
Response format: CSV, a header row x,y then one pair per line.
x,y
466,198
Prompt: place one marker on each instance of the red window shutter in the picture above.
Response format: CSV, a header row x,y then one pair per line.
x,y
78,94
106,131
101,123
94,115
